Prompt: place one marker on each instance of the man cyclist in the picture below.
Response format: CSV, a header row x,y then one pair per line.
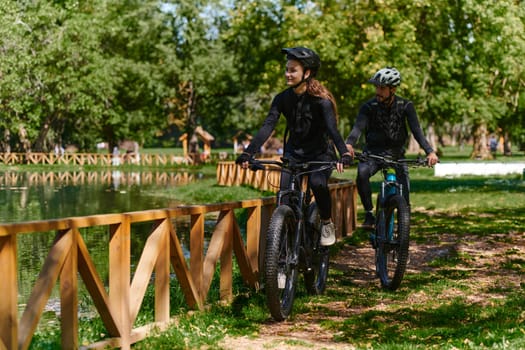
x,y
311,123
383,120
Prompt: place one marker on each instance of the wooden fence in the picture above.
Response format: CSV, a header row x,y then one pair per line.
x,y
104,159
106,177
119,304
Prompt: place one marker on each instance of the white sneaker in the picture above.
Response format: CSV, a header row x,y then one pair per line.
x,y
327,234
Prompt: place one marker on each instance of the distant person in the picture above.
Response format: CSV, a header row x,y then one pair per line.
x,y
383,120
115,160
493,144
59,150
311,123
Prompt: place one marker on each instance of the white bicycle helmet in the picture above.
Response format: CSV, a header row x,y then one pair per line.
x,y
388,76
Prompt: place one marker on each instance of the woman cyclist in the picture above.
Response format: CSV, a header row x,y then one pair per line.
x,y
311,129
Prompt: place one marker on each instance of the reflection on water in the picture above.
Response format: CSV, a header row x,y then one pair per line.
x,y
27,196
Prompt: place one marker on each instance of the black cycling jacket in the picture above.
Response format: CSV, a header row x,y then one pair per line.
x,y
385,128
311,124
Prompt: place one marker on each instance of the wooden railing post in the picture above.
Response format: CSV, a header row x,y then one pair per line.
x,y
119,278
197,252
226,272
69,295
253,234
8,293
162,275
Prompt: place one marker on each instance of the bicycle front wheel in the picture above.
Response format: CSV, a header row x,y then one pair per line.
x,y
280,269
392,242
317,267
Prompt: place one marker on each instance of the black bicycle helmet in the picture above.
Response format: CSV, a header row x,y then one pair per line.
x,y
388,76
308,58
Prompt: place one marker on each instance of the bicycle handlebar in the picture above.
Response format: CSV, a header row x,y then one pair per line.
x,y
363,157
292,166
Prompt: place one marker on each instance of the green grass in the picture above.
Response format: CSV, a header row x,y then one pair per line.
x,y
437,307
489,208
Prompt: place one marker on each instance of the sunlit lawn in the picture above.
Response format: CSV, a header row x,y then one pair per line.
x,y
420,315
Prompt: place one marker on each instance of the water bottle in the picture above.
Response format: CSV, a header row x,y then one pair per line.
x,y
390,177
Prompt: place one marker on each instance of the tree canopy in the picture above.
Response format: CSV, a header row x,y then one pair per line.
x,y
104,71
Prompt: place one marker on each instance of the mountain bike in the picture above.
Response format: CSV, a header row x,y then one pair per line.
x,y
391,234
293,237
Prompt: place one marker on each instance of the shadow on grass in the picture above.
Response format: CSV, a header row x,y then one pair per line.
x,y
452,322
483,223
474,184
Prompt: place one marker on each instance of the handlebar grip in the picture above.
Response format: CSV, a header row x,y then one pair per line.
x,y
254,166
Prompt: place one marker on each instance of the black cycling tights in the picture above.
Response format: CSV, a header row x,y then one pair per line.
x,y
365,170
319,186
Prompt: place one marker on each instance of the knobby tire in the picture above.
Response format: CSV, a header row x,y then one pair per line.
x,y
279,246
392,253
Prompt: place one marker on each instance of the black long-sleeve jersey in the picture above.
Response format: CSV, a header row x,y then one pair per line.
x,y
311,125
385,128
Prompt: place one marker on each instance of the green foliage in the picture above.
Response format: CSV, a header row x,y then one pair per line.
x,y
82,73
450,55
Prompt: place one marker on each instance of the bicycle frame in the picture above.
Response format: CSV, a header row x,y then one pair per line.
x,y
289,248
390,239
296,199
298,194
389,187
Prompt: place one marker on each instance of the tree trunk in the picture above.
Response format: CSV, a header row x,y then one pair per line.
x,y
480,149
413,146
507,151
24,140
6,142
432,137
40,143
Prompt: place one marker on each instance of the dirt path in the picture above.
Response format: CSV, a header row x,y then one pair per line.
x,y
486,257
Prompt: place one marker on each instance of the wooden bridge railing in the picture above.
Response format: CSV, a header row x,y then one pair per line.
x,y
100,159
118,310
119,304
106,177
106,159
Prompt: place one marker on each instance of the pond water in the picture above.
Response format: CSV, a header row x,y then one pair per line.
x,y
28,196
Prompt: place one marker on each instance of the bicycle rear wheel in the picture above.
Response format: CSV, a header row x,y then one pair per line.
x,y
317,267
280,272
393,232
